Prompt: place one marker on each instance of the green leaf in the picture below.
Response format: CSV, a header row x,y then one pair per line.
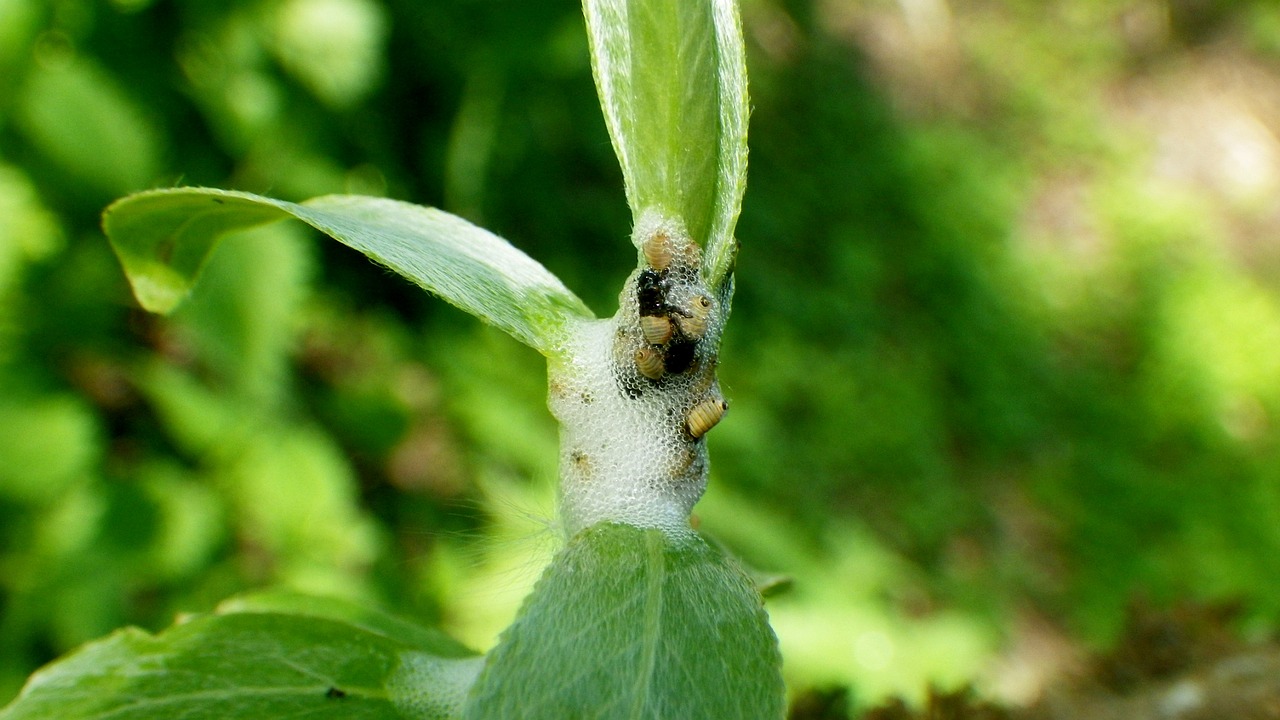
x,y
673,84
296,500
47,444
333,662
28,230
80,117
163,237
242,325
334,47
631,623
365,618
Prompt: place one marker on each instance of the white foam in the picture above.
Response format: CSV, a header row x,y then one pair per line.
x,y
429,687
625,453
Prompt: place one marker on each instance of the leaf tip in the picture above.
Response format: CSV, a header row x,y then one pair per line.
x,y
158,290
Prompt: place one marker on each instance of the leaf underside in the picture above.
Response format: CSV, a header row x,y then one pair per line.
x,y
163,238
632,623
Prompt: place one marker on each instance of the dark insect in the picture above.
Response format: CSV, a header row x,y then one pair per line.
x,y
679,355
334,693
651,292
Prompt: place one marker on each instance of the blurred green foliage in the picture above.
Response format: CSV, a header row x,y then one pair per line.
x,y
1004,343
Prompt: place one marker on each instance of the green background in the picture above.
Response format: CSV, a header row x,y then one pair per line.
x,y
1004,357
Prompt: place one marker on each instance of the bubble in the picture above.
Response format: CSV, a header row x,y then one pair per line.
x,y
428,687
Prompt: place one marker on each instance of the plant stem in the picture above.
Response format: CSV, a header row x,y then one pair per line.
x,y
636,393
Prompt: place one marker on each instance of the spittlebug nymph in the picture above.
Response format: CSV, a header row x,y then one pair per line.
x,y
649,363
656,328
657,251
704,416
694,323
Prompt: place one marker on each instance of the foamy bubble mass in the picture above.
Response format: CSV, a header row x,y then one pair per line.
x,y
424,686
636,393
